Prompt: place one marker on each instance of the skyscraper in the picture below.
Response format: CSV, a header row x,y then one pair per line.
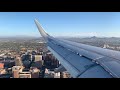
x,y
18,61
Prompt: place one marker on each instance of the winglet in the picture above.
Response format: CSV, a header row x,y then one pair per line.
x,y
41,30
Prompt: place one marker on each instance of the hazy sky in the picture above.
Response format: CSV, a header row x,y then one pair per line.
x,y
61,23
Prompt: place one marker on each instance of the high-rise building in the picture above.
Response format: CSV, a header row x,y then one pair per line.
x,y
37,64
18,61
26,57
38,57
33,52
50,61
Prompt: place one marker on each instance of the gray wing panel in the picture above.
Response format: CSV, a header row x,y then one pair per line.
x,y
76,48
93,49
98,73
76,64
111,65
103,57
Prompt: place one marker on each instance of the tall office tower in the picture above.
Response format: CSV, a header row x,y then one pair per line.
x,y
38,57
38,62
18,61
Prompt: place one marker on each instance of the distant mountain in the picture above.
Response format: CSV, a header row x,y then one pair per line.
x,y
20,38
93,37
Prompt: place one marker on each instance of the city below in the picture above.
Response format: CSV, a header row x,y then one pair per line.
x,y
30,58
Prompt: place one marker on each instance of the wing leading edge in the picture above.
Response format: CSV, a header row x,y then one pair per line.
x,y
83,61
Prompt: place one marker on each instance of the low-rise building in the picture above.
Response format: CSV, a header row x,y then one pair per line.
x,y
1,65
19,68
65,74
57,75
16,74
34,72
2,71
16,70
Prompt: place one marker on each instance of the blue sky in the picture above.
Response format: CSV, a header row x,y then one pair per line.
x,y
61,23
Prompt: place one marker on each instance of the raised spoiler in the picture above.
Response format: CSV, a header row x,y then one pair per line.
x,y
83,61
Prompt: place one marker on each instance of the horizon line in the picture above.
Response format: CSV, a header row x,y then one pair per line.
x,y
20,36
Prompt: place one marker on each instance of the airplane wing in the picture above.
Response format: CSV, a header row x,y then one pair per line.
x,y
83,61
